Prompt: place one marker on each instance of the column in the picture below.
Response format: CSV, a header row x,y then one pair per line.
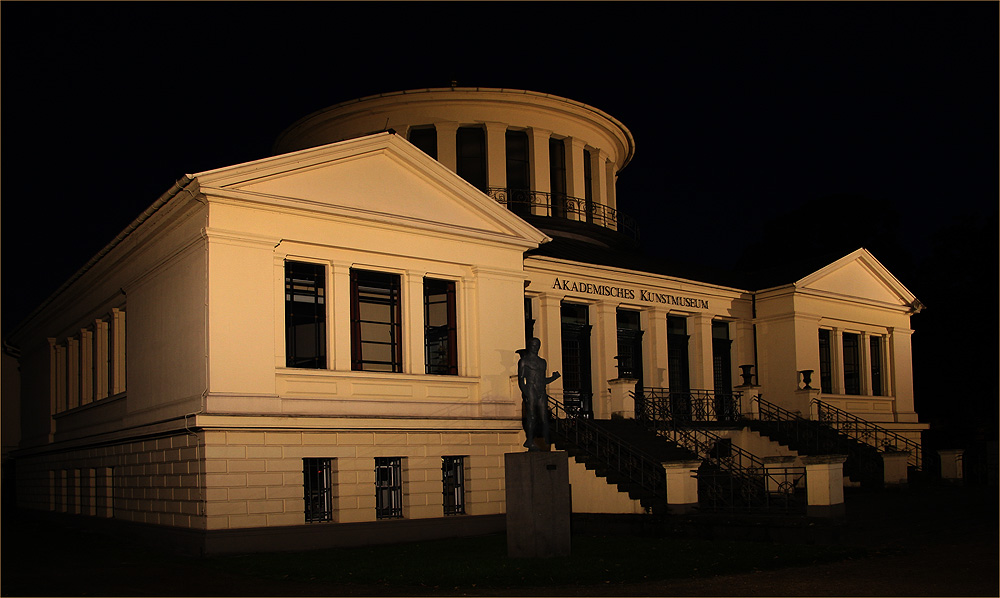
x,y
548,329
901,373
700,352
603,349
837,360
654,323
496,154
413,322
538,156
338,314
446,144
575,181
117,351
610,179
599,172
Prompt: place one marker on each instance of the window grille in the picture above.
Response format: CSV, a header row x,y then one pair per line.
x,y
453,478
388,488
876,359
317,481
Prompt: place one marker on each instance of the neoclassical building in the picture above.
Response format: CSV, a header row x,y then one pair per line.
x,y
320,347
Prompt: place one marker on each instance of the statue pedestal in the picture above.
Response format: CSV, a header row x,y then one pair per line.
x,y
538,504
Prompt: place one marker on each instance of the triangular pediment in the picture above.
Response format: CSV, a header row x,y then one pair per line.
x,y
858,275
381,177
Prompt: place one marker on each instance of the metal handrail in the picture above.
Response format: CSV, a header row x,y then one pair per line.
x,y
560,205
869,433
687,406
633,464
754,486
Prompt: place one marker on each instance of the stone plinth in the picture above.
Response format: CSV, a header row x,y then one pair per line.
x,y
824,485
538,504
951,464
622,401
894,467
682,485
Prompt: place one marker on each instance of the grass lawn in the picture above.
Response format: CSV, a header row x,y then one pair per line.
x,y
482,562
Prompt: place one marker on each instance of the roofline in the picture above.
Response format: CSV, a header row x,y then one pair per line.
x,y
181,185
630,140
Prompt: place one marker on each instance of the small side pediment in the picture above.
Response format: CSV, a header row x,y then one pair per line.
x,y
859,275
381,176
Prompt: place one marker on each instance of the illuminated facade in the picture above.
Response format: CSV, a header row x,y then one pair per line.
x,y
320,347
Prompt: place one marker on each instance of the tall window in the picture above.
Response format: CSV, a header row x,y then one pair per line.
x,y
529,322
518,173
721,357
825,362
388,488
852,364
440,338
557,176
376,322
453,478
677,354
471,155
876,360
317,481
629,345
305,315
426,140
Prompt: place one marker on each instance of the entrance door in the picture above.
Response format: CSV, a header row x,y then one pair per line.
x,y
577,388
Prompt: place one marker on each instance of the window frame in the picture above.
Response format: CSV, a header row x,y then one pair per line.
x,y
297,314
317,490
393,288
449,330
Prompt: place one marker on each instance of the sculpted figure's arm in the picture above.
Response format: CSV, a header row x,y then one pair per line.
x,y
552,378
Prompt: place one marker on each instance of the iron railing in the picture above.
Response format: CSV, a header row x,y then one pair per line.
x,y
869,433
559,205
732,479
687,407
631,465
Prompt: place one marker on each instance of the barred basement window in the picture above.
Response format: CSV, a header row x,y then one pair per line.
x,y
305,315
453,478
317,481
388,488
440,337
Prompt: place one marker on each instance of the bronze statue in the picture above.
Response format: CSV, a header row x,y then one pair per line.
x,y
531,380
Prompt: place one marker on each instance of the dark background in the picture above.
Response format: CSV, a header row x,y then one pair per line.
x,y
765,132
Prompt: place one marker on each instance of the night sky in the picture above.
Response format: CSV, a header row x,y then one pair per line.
x,y
764,132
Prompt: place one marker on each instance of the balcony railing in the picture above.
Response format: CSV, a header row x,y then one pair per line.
x,y
525,202
684,407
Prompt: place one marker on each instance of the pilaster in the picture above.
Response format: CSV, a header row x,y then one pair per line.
x,y
599,172
496,154
538,150
700,329
575,181
606,336
413,322
446,144
654,322
339,317
901,359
